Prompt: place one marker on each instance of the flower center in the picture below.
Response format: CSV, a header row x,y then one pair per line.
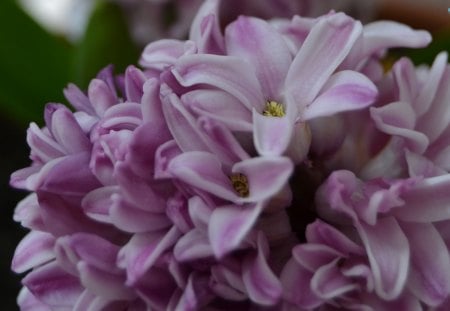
x,y
240,184
273,109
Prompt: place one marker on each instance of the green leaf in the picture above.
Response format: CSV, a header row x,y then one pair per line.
x,y
106,41
34,65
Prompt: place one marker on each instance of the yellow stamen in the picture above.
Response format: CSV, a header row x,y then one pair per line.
x,y
273,109
240,184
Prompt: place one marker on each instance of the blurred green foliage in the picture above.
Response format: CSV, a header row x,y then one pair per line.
x,y
35,65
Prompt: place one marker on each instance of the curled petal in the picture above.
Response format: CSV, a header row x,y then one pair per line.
x,y
204,171
427,202
104,283
329,283
229,226
53,286
262,285
271,135
429,276
221,106
35,249
389,256
221,72
296,282
344,91
266,176
162,53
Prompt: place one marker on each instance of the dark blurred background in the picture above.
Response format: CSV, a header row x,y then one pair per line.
x,y
36,64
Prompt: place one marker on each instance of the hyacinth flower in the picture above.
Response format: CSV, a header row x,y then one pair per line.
x,y
175,193
418,121
156,19
280,89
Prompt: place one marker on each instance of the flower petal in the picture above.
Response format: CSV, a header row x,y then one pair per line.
x,y
35,249
53,286
261,283
345,91
229,226
266,176
271,135
224,72
326,46
389,255
204,171
219,105
429,201
258,43
296,286
429,275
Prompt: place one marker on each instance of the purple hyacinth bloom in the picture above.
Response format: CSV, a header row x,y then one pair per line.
x,y
238,171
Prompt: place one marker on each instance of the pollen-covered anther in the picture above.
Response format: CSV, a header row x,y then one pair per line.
x,y
273,109
240,184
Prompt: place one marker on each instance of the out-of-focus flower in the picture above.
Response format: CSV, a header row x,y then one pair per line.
x,y
238,170
155,19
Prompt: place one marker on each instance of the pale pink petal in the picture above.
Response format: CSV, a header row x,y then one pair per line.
x,y
143,250
104,283
196,294
389,256
28,213
429,201
78,99
27,302
128,218
193,245
204,171
162,53
70,176
223,72
324,49
156,288
205,29
219,105
435,80
429,275
229,225
97,203
328,282
312,256
42,145
136,190
101,96
68,133
380,35
53,286
296,286
258,43
271,135
266,176
398,119
134,82
35,249
182,125
262,285
89,248
344,91
322,233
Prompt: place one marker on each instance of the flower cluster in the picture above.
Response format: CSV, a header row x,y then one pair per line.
x,y
156,19
272,165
